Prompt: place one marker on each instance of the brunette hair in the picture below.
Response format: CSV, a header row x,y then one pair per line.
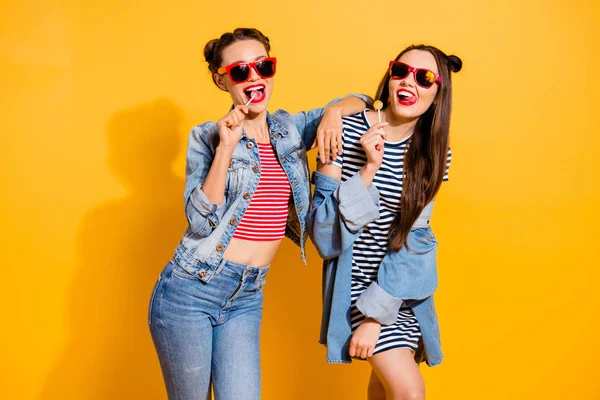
x,y
426,155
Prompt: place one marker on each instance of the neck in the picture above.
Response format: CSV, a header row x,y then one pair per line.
x,y
256,127
399,128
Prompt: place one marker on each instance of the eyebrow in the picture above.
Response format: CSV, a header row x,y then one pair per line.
x,y
244,61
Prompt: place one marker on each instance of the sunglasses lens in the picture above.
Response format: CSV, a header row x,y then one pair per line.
x,y
399,71
239,73
266,68
425,78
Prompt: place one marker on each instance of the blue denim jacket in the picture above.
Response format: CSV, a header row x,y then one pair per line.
x,y
211,226
339,213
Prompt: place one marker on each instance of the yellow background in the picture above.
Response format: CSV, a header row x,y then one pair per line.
x,y
97,99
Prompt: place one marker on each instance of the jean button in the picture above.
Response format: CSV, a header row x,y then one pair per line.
x,y
219,247
233,221
250,145
246,196
202,273
255,169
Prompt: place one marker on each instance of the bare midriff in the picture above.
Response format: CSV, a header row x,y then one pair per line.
x,y
251,252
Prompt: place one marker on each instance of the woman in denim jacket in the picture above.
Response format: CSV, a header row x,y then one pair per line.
x,y
246,187
370,223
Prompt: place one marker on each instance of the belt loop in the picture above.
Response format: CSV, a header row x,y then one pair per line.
x,y
220,266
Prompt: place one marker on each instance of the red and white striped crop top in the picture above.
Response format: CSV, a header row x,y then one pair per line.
x,y
266,216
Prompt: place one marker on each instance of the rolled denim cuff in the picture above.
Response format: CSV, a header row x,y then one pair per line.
x,y
358,205
205,208
376,303
324,182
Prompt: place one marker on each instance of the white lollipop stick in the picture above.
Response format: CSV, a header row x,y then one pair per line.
x,y
251,98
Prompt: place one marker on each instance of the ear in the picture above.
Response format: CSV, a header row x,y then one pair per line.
x,y
220,81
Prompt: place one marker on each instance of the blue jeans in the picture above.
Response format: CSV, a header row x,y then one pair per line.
x,y
209,331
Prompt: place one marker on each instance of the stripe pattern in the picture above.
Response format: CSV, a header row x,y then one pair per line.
x,y
372,245
265,218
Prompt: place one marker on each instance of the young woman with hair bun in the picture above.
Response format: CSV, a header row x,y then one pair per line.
x,y
247,186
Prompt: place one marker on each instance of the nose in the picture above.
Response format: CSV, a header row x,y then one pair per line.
x,y
409,80
253,74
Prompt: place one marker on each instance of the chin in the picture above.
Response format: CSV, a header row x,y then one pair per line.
x,y
405,112
258,108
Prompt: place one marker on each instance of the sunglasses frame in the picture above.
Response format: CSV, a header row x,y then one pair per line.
x,y
438,78
227,69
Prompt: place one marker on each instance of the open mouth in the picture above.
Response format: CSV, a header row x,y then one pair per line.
x,y
255,92
406,98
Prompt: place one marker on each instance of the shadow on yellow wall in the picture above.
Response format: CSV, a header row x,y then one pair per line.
x,y
122,245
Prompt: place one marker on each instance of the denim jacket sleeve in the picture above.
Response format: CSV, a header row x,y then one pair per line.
x,y
402,276
339,212
202,215
307,122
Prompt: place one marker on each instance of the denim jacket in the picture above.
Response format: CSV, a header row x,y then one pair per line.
x,y
211,226
406,277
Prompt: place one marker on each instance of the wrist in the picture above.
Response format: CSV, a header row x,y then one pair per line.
x,y
225,150
370,169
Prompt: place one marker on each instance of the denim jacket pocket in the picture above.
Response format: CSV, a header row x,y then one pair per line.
x,y
237,176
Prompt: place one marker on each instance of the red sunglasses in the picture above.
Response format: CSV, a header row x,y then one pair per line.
x,y
423,77
240,72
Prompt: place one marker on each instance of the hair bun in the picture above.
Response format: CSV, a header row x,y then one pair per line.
x,y
455,63
210,50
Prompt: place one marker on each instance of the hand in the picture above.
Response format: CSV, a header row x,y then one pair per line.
x,y
329,135
231,126
373,143
365,338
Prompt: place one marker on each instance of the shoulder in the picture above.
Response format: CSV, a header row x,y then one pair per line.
x,y
284,120
355,125
357,122
281,114
207,133
360,118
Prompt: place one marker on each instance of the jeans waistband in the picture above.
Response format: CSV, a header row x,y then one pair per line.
x,y
246,271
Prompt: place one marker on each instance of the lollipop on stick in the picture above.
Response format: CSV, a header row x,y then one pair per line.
x,y
254,94
378,106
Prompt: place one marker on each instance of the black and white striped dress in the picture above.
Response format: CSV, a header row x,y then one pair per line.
x,y
371,246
